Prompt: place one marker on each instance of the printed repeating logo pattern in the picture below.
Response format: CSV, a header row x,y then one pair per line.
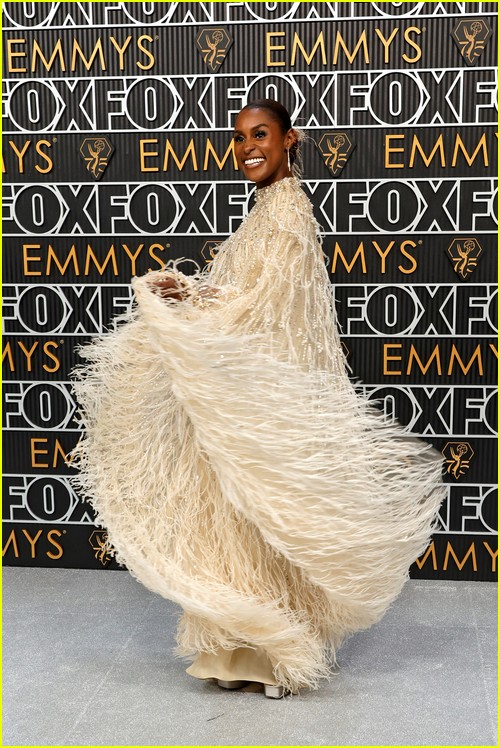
x,y
104,551
209,251
400,164
458,456
471,37
335,147
213,44
96,153
464,253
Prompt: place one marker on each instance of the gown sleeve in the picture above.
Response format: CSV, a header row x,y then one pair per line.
x,y
269,279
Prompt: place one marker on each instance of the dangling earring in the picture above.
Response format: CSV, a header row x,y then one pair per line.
x,y
288,158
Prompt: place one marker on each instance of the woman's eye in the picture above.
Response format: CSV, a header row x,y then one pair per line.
x,y
238,139
260,134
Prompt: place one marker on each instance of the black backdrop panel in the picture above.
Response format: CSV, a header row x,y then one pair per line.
x,y
405,95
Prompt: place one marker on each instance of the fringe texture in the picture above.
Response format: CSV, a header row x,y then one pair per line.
x,y
234,465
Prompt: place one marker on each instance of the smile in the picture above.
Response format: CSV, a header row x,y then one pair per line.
x,y
253,161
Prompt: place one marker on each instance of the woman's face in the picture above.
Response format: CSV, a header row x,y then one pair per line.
x,y
260,147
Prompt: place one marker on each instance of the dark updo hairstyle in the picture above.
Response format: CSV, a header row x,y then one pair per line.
x,y
280,114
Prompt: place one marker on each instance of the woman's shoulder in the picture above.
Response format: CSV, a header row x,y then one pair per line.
x,y
283,198
288,189
286,205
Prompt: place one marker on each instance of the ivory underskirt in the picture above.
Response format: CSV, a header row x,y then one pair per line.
x,y
242,663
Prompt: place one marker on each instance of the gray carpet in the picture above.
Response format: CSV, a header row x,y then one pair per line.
x,y
87,661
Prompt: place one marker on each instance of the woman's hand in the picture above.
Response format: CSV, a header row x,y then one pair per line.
x,y
169,288
207,292
203,296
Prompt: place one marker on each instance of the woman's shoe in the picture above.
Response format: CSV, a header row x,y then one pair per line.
x,y
274,692
232,684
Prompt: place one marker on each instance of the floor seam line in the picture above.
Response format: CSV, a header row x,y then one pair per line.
x,y
103,680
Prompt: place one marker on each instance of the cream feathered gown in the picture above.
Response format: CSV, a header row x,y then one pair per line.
x,y
233,464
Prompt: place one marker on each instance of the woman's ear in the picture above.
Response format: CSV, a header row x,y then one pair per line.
x,y
290,138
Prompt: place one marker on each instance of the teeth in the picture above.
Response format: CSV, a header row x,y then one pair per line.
x,y
253,161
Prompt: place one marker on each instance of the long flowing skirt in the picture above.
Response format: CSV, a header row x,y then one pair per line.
x,y
278,508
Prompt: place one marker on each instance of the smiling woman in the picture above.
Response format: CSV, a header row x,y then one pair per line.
x,y
263,138
237,470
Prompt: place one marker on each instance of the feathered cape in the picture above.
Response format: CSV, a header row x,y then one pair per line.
x,y
233,464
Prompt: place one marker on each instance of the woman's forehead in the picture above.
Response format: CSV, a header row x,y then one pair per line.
x,y
249,118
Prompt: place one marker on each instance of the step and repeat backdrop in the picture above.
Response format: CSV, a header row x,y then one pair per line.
x,y
117,156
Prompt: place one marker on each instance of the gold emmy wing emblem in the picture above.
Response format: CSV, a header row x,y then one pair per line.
x,y
335,148
457,458
209,250
464,254
213,45
104,551
96,153
471,37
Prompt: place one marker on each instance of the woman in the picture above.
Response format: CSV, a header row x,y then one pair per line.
x,y
227,453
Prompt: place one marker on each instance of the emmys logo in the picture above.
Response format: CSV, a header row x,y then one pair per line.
x,y
213,44
464,254
209,250
335,148
96,153
458,456
471,38
104,551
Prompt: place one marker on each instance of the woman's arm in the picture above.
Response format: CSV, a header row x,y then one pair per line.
x,y
170,287
178,289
